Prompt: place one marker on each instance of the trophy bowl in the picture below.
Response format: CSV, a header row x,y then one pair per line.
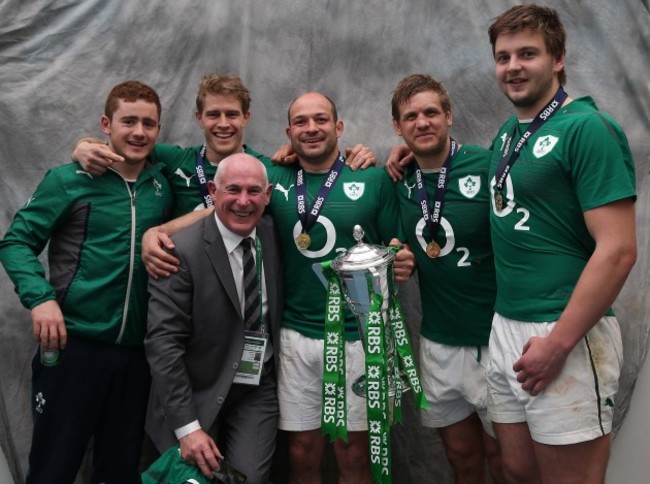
x,y
362,270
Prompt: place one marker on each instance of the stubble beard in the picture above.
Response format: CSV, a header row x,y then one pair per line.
x,y
316,159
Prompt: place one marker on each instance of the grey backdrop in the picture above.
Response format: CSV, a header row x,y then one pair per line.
x,y
59,59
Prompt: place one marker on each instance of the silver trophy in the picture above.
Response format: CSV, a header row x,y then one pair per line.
x,y
362,269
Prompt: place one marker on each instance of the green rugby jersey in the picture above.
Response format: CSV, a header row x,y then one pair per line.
x,y
457,288
578,160
180,170
364,197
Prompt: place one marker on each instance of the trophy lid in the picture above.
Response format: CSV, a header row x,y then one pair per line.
x,y
362,256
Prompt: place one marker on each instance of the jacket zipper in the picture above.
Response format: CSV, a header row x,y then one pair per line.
x,y
131,259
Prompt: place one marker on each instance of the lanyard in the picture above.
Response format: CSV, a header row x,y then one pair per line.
x,y
203,181
309,217
506,163
433,216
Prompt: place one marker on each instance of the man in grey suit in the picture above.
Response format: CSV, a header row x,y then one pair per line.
x,y
211,330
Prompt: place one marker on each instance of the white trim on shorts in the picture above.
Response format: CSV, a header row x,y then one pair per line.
x,y
454,382
578,405
300,382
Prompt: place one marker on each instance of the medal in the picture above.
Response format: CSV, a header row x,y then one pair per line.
x,y
498,201
303,241
433,249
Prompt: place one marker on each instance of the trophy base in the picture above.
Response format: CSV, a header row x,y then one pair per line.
x,y
359,386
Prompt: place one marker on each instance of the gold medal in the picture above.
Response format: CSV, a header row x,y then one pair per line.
x,y
498,201
433,249
303,241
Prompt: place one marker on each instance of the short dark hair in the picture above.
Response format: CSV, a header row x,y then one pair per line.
x,y
335,114
544,20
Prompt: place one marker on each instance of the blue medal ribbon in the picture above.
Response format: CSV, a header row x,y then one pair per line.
x,y
202,179
309,217
433,216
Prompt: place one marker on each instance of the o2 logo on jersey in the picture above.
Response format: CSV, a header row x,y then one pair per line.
x,y
449,244
449,234
329,242
510,204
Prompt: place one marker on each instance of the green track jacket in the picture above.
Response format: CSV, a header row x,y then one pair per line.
x,y
94,225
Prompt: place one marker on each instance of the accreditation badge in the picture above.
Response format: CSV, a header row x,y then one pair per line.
x,y
249,371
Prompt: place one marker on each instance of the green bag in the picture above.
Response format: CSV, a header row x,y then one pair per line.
x,y
169,468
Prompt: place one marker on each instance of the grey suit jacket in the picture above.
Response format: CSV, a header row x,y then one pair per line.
x,y
195,330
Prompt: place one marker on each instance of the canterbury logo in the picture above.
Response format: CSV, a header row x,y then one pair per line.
x,y
285,191
180,173
81,172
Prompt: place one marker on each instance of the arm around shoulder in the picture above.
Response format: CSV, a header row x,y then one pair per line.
x,y
157,242
94,155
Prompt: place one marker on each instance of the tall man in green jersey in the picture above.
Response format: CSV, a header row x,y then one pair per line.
x,y
563,232
444,202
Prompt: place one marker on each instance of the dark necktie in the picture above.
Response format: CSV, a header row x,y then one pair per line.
x,y
252,303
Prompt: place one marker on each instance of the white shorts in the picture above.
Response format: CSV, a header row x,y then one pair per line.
x,y
454,382
579,405
300,382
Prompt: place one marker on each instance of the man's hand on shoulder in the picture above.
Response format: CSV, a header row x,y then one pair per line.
x,y
157,261
399,158
94,156
199,449
284,155
359,156
49,325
